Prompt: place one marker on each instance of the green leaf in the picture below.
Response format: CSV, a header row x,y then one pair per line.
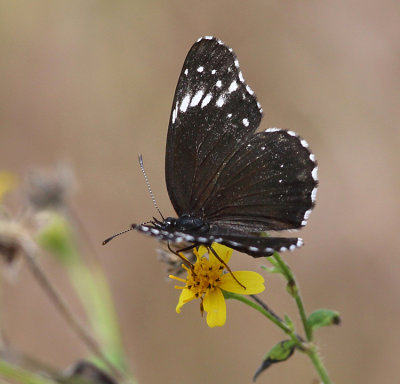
x,y
278,353
289,322
11,373
323,317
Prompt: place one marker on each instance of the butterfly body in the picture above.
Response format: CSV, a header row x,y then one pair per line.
x,y
183,223
228,183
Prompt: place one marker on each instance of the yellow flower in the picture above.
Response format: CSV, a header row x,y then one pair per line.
x,y
206,280
7,183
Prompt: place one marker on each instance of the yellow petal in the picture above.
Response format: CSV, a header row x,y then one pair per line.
x,y
253,282
202,250
214,305
223,252
185,296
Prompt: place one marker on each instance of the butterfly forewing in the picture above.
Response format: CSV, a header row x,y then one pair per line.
x,y
212,113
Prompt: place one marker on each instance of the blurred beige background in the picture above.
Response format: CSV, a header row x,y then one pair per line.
x,y
92,82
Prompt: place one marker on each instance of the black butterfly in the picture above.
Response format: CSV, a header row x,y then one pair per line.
x,y
227,183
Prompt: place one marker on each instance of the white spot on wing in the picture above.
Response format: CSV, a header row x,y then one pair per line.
x,y
219,83
229,115
298,244
272,130
200,69
306,216
304,143
291,133
314,173
233,86
174,114
253,249
205,38
220,102
206,100
186,71
249,90
197,97
185,103
246,122
312,157
213,72
237,63
241,78
314,194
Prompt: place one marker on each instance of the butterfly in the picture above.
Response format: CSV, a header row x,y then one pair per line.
x,y
227,183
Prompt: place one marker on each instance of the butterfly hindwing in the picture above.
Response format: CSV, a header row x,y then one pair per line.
x,y
269,184
255,246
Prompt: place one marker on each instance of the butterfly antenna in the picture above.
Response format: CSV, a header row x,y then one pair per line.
x,y
148,185
117,234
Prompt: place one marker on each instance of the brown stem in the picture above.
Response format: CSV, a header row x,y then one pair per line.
x,y
30,252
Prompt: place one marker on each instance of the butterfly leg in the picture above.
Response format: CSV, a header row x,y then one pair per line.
x,y
226,266
177,253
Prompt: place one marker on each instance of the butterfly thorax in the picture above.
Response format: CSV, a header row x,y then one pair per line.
x,y
183,223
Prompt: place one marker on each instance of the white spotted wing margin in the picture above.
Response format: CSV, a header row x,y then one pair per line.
x,y
255,246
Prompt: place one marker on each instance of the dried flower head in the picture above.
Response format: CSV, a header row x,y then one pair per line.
x,y
49,188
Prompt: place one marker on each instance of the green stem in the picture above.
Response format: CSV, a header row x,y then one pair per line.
x,y
308,348
294,291
319,366
15,374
